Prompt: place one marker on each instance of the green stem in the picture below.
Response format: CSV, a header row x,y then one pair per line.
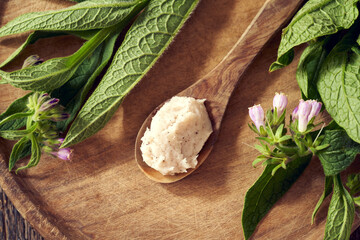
x,y
16,116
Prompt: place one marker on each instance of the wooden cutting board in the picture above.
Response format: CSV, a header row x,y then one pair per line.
x,y
101,193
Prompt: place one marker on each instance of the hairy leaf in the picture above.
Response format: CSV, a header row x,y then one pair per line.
x,y
35,154
17,134
91,14
327,190
73,93
147,39
340,154
339,86
340,214
17,150
35,36
18,106
315,19
267,190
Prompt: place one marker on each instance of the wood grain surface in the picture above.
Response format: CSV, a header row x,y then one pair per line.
x,y
101,194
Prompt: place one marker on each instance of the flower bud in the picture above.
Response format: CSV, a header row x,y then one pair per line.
x,y
294,114
63,153
32,61
315,109
49,104
303,114
257,116
279,103
57,117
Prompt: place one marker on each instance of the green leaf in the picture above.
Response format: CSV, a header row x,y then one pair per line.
x,y
35,154
339,86
17,134
56,72
146,40
16,151
327,190
340,154
309,67
18,106
267,190
92,14
340,214
73,93
315,19
35,36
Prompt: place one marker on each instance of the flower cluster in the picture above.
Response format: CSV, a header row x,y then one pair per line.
x,y
276,146
47,111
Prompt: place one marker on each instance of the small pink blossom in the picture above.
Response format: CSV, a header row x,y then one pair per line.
x,y
280,102
257,115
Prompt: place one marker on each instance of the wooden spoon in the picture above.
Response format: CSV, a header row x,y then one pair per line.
x,y
217,86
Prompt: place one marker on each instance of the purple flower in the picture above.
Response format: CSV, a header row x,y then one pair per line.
x,y
306,111
257,116
63,153
57,117
279,103
49,104
315,109
294,114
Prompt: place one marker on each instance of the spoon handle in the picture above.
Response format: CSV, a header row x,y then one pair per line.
x,y
218,85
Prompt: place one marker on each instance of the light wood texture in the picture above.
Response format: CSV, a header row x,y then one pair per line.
x,y
102,194
218,85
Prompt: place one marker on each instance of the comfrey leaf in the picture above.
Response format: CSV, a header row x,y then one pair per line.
x,y
35,36
91,14
327,190
315,19
35,154
18,106
267,190
340,154
340,214
339,85
142,46
73,93
17,150
17,134
308,68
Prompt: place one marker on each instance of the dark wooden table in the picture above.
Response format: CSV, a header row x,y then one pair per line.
x,y
14,227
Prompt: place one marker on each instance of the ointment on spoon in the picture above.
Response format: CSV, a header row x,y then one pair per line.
x,y
217,86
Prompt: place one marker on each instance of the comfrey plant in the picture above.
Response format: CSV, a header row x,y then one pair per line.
x,y
276,145
287,149
39,134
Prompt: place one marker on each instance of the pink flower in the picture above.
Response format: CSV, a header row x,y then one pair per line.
x,y
280,102
307,110
257,116
315,109
63,153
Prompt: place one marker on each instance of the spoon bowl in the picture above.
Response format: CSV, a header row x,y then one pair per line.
x,y
218,85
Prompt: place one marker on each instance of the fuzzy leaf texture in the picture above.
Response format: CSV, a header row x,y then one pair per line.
x,y
267,190
35,36
315,19
340,154
91,14
340,214
327,190
73,93
339,86
56,72
18,106
146,40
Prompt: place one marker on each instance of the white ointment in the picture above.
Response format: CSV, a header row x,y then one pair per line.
x,y
177,133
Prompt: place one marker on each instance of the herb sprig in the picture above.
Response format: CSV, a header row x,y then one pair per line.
x,y
71,78
328,71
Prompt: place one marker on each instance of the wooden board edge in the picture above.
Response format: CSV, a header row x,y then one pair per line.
x,y
27,208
